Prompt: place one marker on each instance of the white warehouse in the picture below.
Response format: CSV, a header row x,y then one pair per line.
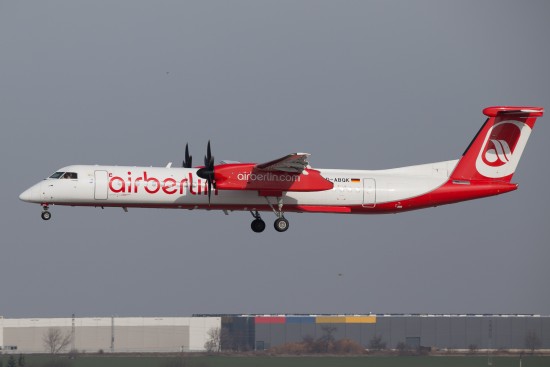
x,y
109,334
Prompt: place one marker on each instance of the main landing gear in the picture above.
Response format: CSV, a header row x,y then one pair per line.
x,y
257,225
281,223
46,215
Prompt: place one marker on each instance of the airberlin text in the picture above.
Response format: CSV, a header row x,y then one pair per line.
x,y
268,176
153,185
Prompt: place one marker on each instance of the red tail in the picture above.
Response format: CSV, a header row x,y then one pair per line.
x,y
495,151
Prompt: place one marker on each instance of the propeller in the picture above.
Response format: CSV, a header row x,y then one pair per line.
x,y
187,162
207,172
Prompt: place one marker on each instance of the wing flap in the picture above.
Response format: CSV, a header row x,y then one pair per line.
x,y
292,163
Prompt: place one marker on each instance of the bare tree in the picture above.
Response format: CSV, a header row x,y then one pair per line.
x,y
532,341
325,343
376,343
213,344
402,348
55,341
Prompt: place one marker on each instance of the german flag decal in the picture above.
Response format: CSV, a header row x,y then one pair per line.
x,y
355,180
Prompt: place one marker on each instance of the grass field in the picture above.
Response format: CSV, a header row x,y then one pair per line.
x,y
264,361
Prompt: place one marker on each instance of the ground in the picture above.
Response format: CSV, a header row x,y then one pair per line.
x,y
267,361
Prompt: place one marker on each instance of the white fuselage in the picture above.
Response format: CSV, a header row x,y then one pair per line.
x,y
182,188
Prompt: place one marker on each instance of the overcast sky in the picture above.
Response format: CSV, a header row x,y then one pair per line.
x,y
358,84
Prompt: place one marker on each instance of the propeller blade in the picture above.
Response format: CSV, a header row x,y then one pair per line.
x,y
208,159
187,163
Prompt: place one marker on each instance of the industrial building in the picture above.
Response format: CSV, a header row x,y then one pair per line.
x,y
261,332
458,332
109,334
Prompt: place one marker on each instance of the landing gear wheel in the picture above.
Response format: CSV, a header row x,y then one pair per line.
x,y
257,225
46,215
281,224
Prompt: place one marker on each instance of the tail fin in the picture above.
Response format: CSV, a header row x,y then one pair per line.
x,y
495,151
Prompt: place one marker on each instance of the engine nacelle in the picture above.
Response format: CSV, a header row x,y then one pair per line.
x,y
246,176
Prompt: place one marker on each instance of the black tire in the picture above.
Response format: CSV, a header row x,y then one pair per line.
x,y
46,215
257,225
281,224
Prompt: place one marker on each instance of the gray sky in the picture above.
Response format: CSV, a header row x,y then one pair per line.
x,y
358,84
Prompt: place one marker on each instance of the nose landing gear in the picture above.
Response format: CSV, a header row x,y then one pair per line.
x,y
46,215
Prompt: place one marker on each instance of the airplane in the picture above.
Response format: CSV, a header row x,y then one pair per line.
x,y
485,169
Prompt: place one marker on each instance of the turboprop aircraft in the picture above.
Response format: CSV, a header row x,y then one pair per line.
x,y
289,184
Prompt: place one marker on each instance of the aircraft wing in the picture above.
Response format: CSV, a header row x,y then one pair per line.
x,y
293,163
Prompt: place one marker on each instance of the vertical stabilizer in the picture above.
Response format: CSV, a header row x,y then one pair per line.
x,y
495,151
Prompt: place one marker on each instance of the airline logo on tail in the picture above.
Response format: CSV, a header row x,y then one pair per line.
x,y
502,149
499,154
499,151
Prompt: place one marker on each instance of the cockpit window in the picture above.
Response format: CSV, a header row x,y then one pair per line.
x,y
57,175
70,175
65,175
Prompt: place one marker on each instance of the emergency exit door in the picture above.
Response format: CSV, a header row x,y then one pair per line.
x,y
369,193
101,183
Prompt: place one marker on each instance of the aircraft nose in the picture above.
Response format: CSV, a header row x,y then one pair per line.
x,y
30,195
26,195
